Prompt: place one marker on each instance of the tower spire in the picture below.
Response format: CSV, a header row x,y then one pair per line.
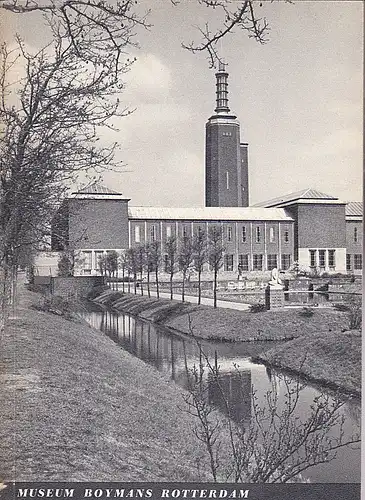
x,y
222,89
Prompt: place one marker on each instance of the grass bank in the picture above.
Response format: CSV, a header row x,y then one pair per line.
x,y
316,347
331,359
226,324
74,406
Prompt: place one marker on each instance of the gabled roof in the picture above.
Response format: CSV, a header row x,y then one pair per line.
x,y
97,191
96,188
304,194
354,209
209,214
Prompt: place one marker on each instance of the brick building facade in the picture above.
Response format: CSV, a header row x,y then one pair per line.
x,y
320,232
297,227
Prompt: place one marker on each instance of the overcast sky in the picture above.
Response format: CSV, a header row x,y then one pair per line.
x,y
298,99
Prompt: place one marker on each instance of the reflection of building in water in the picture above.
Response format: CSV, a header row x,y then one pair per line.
x,y
175,356
231,393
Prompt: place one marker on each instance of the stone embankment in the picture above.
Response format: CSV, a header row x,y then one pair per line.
x,y
316,346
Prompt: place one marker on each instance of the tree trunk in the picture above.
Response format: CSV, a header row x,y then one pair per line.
x,y
123,276
199,287
215,288
183,288
148,283
5,292
171,292
157,288
129,282
141,283
135,283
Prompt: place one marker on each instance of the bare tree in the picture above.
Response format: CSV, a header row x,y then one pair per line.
x,y
171,260
279,443
51,117
107,21
140,262
216,251
111,265
154,254
185,258
123,265
199,257
132,266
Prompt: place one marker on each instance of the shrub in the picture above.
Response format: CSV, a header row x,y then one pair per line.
x,y
306,312
255,308
96,291
354,313
341,307
57,305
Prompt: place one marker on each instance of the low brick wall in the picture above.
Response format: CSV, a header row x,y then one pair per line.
x,y
75,286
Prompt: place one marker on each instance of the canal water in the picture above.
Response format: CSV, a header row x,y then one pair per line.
x,y
176,355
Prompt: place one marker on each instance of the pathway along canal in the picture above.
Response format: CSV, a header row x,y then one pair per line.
x,y
170,353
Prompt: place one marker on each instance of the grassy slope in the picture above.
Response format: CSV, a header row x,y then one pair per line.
x,y
329,356
74,406
228,324
333,358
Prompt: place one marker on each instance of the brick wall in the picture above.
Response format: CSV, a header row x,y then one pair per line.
x,y
352,246
321,226
222,156
98,223
75,286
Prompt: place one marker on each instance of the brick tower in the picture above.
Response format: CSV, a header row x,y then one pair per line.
x,y
226,158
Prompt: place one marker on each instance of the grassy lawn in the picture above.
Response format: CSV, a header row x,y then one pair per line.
x,y
74,406
331,358
228,324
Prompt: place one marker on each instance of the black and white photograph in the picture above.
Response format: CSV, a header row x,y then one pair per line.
x,y
181,246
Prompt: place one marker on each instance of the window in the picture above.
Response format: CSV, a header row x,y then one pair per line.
x,y
271,235
356,235
168,232
229,233
272,261
312,258
228,262
322,258
285,261
243,234
87,260
358,261
153,233
137,236
243,262
227,134
286,236
227,179
331,258
98,255
258,234
257,262
348,262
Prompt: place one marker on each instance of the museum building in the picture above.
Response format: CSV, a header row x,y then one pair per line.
x,y
317,230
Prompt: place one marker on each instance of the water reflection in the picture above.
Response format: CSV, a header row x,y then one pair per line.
x,y
174,354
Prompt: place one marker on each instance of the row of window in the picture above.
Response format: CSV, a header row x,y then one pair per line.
x,y
257,262
244,262
318,258
354,262
356,235
229,234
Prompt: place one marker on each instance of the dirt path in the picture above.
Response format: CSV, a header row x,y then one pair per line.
x,y
74,406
